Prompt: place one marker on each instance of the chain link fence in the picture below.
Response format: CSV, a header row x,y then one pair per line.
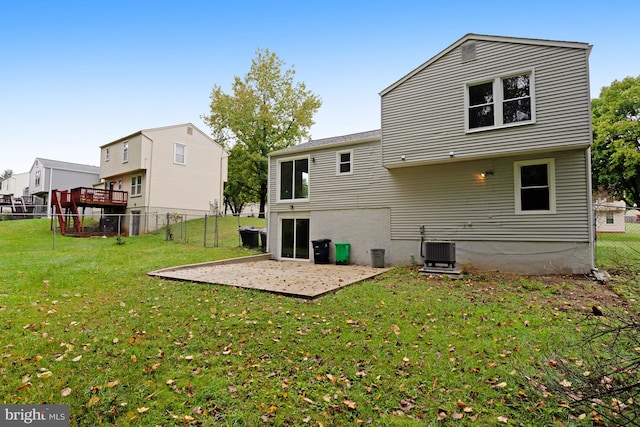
x,y
617,237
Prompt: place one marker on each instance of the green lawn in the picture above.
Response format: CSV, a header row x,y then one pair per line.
x,y
83,325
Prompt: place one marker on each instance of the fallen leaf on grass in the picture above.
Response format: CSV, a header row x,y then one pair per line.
x,y
350,404
112,384
94,399
565,383
396,329
142,410
503,419
65,392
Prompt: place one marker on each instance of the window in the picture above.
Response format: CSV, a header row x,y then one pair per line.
x,y
504,101
609,217
344,162
106,154
37,178
294,179
535,186
125,152
136,185
180,154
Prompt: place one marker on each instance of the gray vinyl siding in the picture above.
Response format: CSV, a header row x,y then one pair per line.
x,y
454,203
450,200
423,117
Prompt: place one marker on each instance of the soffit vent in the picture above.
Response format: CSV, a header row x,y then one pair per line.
x,y
468,51
189,130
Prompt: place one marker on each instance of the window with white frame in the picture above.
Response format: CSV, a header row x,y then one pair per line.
x,y
180,154
294,179
609,217
500,102
535,186
37,178
106,154
344,162
136,185
125,151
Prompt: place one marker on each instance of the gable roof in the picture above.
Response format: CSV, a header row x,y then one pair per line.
x,y
482,37
144,131
335,141
60,165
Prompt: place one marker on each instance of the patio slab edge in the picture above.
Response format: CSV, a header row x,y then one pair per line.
x,y
239,260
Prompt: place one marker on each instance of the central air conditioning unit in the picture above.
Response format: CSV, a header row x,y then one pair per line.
x,y
439,252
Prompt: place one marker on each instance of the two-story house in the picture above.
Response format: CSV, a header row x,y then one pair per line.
x,y
173,169
486,145
47,175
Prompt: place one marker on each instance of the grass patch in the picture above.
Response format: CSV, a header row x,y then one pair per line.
x,y
83,325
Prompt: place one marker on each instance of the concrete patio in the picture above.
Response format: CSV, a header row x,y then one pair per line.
x,y
292,278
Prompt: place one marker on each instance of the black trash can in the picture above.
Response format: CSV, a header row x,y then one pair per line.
x,y
263,239
321,251
249,236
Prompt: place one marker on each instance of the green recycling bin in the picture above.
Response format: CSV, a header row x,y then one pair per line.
x,y
342,253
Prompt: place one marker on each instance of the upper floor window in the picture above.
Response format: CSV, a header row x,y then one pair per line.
x,y
125,152
503,101
294,179
106,154
37,178
136,185
344,160
535,186
179,153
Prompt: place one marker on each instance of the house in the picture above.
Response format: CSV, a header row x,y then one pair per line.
x,y
485,145
12,188
165,170
610,216
47,175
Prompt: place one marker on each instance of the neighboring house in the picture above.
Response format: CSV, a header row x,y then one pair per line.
x,y
16,185
485,144
47,175
173,169
610,216
632,216
11,188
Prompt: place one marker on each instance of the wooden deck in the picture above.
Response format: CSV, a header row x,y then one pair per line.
x,y
68,202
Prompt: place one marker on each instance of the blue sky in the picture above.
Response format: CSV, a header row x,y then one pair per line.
x,y
75,75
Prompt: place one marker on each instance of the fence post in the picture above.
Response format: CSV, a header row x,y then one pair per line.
x,y
168,228
205,230
215,236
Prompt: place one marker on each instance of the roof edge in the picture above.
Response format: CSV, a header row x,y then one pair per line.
x,y
485,37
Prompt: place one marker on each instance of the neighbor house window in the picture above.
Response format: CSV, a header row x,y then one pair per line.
x,y
504,101
344,161
125,152
535,186
136,185
294,179
180,154
609,216
37,178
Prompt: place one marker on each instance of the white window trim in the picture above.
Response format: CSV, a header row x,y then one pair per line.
x,y
175,153
125,151
106,154
551,179
138,194
278,180
338,163
498,101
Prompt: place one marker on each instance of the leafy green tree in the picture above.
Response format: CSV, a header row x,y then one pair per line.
x,y
266,112
616,140
6,174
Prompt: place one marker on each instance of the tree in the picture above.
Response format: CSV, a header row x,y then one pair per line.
x,y
616,140
8,173
266,112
